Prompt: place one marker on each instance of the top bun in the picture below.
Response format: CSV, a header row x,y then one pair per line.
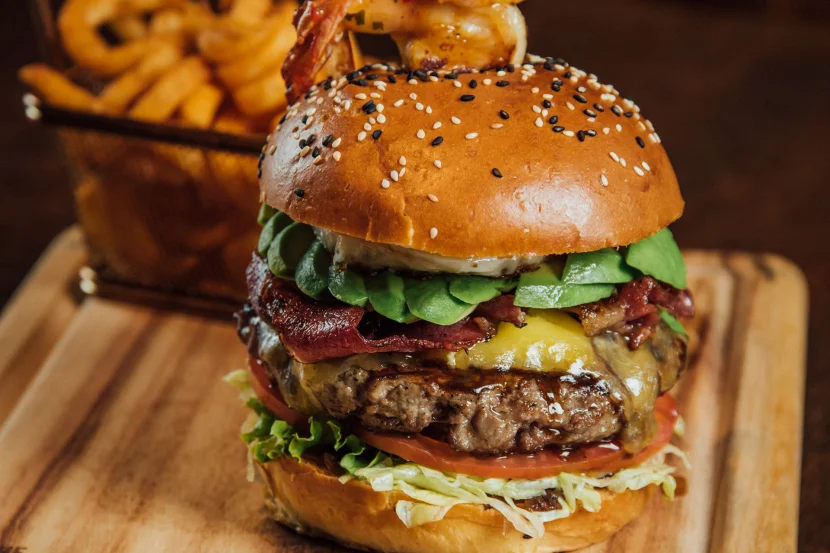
x,y
533,160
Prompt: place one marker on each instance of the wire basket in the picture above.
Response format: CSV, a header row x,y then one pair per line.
x,y
164,208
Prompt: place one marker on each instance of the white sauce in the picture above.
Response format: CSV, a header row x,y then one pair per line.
x,y
348,250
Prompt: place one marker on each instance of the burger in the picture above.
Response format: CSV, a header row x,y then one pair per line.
x,y
465,311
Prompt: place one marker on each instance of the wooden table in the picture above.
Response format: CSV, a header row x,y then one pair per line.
x,y
740,101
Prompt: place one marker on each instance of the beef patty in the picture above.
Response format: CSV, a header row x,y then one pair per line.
x,y
475,411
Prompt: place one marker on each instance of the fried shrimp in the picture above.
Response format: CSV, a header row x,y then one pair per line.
x,y
430,34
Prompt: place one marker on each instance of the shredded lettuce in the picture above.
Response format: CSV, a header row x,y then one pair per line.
x,y
435,492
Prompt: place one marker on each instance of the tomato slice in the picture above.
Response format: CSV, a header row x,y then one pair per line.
x,y
270,395
440,456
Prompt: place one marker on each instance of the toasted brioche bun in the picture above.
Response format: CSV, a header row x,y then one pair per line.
x,y
312,501
551,199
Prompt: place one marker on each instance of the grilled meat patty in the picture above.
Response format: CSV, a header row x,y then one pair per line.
x,y
476,411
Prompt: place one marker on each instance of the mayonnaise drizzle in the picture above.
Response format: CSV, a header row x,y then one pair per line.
x,y
348,250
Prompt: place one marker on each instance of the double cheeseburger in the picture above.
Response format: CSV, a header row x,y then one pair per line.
x,y
465,311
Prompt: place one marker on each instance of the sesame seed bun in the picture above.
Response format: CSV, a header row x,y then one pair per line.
x,y
312,501
512,180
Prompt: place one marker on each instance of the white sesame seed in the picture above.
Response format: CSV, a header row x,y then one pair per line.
x,y
457,84
470,136
657,137
524,78
501,73
394,174
592,119
380,108
639,171
614,156
367,127
304,151
436,125
412,81
271,149
539,122
375,95
318,160
619,127
336,155
570,105
544,113
535,90
379,84
433,232
419,106
487,82
420,134
537,109
413,96
385,183
429,109
361,136
433,198
336,142
402,172
381,118
547,96
622,161
496,126
347,104
455,120
360,96
433,78
402,160
568,133
606,130
604,180
646,166
308,122
437,163
372,120
398,104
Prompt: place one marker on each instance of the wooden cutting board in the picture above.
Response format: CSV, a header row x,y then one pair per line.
x,y
121,437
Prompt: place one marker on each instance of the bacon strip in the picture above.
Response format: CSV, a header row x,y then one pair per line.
x,y
633,310
316,330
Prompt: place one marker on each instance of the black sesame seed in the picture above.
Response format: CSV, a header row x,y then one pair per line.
x,y
567,75
366,68
589,112
558,128
616,110
502,84
527,537
433,73
510,68
553,120
310,140
259,173
591,132
353,75
497,173
556,87
438,140
549,66
580,135
299,192
308,95
369,107
282,119
420,73
451,76
467,97
363,82
546,104
315,152
410,76
504,115
376,134
580,98
303,142
599,108
326,84
629,114
391,79
305,119
640,142
473,83
372,76
328,140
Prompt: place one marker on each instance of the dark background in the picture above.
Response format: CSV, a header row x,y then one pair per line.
x,y
739,91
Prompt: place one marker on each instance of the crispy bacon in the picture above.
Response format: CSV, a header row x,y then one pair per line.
x,y
317,330
318,23
633,312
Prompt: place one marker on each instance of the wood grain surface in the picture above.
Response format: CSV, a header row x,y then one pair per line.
x,y
126,438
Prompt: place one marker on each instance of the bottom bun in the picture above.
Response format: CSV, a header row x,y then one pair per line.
x,y
311,500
